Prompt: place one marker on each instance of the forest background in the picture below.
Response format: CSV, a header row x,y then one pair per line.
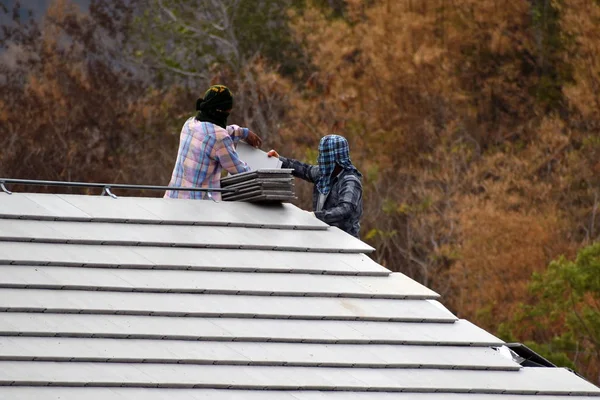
x,y
476,124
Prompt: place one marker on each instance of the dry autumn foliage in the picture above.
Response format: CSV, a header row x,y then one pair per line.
x,y
74,112
476,125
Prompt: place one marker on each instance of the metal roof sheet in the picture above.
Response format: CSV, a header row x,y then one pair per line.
x,y
459,333
156,211
182,281
102,233
162,298
249,353
116,393
556,381
217,305
33,253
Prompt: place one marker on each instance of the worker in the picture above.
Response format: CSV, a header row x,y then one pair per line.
x,y
337,194
207,145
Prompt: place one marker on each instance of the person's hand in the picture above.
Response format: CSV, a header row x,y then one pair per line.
x,y
273,153
253,139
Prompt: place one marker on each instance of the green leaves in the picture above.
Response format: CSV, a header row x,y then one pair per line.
x,y
567,308
188,37
391,207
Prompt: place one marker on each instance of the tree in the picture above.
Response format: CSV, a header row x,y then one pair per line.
x,y
197,38
423,90
564,312
73,110
233,42
455,115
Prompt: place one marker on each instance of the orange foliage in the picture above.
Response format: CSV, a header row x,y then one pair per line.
x,y
580,20
476,126
475,123
500,251
74,115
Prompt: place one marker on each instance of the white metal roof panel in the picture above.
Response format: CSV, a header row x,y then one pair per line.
x,y
52,205
70,254
155,210
98,393
75,393
525,381
318,395
461,332
394,286
333,239
185,258
250,315
244,353
175,304
104,208
232,213
19,206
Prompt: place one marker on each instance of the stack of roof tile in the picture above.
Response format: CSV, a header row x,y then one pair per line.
x,y
263,185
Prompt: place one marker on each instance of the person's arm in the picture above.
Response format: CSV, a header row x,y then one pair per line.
x,y
349,196
238,133
228,157
301,170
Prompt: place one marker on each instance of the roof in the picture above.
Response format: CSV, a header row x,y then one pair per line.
x,y
105,298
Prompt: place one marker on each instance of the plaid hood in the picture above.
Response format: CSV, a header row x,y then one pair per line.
x,y
333,149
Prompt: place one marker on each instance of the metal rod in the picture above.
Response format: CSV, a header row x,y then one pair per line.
x,y
31,182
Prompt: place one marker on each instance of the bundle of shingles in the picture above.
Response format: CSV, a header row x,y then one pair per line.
x,y
263,185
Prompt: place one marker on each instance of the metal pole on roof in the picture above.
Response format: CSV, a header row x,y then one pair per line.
x,y
106,187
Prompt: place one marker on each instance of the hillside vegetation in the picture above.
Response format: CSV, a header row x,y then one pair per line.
x,y
476,125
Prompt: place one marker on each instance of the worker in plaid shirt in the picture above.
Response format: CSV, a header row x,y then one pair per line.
x,y
337,195
207,145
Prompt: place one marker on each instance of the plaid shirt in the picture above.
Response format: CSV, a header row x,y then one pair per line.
x,y
204,150
343,207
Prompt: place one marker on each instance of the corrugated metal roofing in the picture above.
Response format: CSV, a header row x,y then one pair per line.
x,y
105,298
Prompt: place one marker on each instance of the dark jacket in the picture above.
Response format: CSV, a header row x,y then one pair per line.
x,y
343,207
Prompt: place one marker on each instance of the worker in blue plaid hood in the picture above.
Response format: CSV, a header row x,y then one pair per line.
x,y
337,195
